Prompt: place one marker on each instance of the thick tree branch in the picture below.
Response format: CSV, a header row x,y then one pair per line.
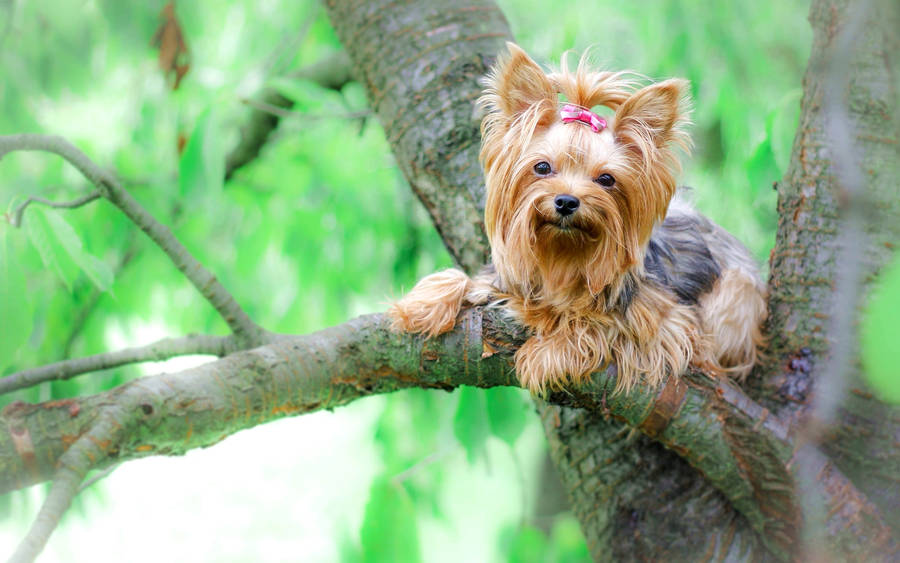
x,y
638,501
332,72
850,118
711,424
241,325
154,352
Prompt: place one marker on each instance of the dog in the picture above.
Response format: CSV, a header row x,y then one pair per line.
x,y
591,247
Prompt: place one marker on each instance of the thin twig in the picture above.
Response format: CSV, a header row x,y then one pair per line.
x,y
73,466
332,72
89,306
16,219
236,318
290,44
420,465
157,351
98,477
286,113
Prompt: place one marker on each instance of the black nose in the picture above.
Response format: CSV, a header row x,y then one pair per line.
x,y
566,204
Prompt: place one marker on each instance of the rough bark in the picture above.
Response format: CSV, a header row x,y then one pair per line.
x,y
813,205
638,501
323,370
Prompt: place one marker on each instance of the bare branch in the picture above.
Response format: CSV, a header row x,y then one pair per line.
x,y
332,72
285,113
155,352
289,44
237,320
99,476
73,466
90,303
16,219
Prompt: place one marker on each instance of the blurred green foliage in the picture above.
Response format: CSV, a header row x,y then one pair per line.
x,y
322,227
880,333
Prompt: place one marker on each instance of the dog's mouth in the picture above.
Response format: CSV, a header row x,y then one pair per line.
x,y
568,226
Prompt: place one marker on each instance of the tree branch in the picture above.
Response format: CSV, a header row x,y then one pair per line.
x,y
285,113
89,305
154,352
16,219
841,127
73,465
332,72
238,321
638,501
737,446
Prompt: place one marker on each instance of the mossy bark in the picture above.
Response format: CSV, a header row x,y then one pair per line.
x,y
813,204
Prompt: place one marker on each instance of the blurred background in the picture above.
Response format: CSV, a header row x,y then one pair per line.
x,y
319,228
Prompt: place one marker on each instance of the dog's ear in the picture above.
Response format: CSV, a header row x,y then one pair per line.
x,y
650,118
517,82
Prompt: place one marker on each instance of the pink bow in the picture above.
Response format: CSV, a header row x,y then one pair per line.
x,y
570,112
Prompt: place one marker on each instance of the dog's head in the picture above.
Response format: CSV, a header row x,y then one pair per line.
x,y
572,197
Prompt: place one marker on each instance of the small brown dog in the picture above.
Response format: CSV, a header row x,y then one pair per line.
x,y
589,248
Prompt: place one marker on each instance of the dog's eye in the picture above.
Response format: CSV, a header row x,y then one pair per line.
x,y
605,180
542,168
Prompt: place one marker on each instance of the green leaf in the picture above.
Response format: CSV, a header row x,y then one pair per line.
x,y
15,307
880,334
389,530
95,269
42,237
507,413
470,424
201,169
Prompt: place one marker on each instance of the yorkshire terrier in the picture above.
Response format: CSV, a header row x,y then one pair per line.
x,y
591,248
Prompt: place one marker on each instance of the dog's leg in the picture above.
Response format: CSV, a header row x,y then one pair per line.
x,y
732,314
568,354
432,305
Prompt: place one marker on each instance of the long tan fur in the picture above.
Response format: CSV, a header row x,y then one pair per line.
x,y
579,281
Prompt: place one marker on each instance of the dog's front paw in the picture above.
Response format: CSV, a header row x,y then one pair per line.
x,y
546,363
432,305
